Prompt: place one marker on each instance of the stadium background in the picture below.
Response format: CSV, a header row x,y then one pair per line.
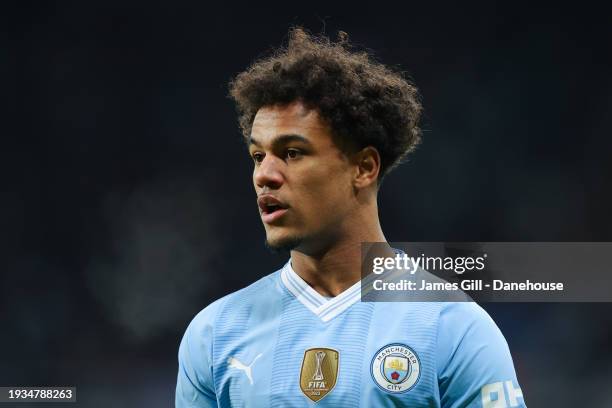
x,y
129,203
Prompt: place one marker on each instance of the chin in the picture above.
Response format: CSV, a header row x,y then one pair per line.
x,y
283,243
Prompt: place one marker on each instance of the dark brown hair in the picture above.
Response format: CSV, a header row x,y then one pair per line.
x,y
364,102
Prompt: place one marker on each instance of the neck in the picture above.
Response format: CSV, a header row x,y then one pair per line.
x,y
338,266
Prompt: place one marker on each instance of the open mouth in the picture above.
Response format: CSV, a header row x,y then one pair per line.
x,y
271,208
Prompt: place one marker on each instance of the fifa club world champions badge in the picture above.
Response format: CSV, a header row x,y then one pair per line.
x,y
396,368
319,372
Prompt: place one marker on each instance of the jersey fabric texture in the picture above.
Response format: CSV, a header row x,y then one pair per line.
x,y
279,343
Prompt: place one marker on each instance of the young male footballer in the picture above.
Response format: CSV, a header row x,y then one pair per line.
x,y
324,124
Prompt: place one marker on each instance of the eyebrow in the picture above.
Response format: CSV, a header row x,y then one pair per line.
x,y
281,139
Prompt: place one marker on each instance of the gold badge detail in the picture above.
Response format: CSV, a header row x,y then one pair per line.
x,y
319,372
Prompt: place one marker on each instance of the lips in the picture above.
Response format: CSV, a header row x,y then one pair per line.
x,y
271,208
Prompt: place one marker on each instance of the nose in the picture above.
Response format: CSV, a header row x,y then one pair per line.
x,y
268,173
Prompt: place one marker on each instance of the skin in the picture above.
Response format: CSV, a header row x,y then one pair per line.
x,y
330,195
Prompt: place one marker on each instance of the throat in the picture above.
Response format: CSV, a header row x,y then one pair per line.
x,y
329,277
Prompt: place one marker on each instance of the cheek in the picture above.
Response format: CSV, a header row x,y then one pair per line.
x,y
328,196
323,189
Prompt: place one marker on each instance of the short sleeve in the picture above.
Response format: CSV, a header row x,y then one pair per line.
x,y
195,385
475,368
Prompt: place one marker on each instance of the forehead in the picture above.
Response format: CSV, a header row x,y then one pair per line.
x,y
294,118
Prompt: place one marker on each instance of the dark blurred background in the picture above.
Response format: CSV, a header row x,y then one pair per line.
x,y
128,203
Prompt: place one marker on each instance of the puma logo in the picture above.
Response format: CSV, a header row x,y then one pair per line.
x,y
235,363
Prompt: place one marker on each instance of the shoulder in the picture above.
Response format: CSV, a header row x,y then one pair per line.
x,y
473,359
467,318
468,310
468,337
263,291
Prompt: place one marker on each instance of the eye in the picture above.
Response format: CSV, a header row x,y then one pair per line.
x,y
257,157
293,153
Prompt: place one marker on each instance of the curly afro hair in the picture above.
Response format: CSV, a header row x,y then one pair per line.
x,y
364,102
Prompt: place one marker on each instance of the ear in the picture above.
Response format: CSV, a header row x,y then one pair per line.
x,y
367,165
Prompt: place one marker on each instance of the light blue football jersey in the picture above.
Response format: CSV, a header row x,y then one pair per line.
x,y
279,343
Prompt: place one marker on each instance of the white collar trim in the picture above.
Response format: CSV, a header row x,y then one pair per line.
x,y
325,309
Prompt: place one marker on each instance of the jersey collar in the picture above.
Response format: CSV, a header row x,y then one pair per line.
x,y
325,309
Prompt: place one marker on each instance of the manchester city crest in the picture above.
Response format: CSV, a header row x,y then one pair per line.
x,y
396,368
